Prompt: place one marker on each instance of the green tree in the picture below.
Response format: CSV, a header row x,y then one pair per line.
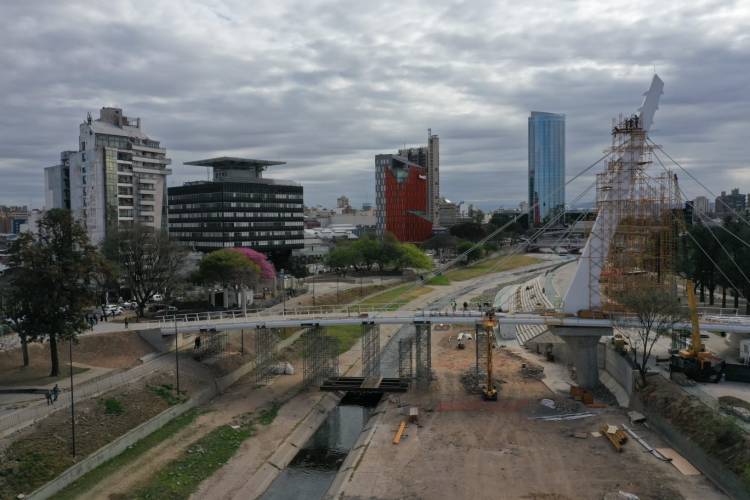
x,y
228,268
147,261
52,272
471,231
656,312
475,253
413,257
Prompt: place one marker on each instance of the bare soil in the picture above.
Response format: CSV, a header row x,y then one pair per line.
x,y
41,452
118,350
464,447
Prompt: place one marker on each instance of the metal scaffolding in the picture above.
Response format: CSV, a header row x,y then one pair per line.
x,y
405,358
480,346
639,210
370,349
210,343
320,356
266,340
423,350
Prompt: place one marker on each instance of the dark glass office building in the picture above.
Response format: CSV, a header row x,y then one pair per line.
x,y
238,208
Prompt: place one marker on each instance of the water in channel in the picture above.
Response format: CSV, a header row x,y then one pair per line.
x,y
313,469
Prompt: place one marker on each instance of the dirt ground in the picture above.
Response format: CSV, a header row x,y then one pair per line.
x,y
466,448
37,454
107,350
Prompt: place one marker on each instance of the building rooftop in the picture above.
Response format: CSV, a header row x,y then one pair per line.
x,y
234,162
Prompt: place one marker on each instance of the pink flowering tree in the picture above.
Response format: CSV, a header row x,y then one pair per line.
x,y
267,271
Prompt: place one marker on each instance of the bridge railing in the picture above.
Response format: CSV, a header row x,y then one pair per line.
x,y
353,310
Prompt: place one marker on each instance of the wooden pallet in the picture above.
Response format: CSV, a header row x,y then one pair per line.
x,y
618,438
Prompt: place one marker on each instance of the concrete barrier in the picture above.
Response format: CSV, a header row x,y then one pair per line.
x,y
618,367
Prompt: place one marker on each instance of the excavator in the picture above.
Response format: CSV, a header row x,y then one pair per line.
x,y
695,362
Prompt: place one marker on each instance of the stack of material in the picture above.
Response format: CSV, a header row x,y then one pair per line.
x,y
582,395
615,435
532,371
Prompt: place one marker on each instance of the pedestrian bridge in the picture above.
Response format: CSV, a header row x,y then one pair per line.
x,y
387,315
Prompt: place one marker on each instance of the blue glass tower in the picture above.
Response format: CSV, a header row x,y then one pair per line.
x,y
546,165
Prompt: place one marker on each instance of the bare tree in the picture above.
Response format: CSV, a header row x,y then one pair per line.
x,y
655,311
147,261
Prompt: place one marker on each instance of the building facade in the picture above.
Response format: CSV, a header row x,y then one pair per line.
x,y
546,165
729,204
116,179
401,199
238,208
428,157
700,207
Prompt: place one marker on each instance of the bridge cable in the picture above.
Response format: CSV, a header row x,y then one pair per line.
x,y
726,252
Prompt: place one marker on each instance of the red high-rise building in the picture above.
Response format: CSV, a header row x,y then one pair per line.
x,y
402,199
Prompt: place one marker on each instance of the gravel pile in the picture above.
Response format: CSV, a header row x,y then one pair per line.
x,y
532,371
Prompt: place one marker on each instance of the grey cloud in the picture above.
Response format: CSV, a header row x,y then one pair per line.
x,y
324,86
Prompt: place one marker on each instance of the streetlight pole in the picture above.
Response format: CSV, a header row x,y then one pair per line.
x,y
242,341
177,357
72,398
283,292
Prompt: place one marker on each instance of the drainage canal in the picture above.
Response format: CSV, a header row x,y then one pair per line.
x,y
313,469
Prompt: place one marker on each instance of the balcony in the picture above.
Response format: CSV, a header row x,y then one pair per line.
x,y
148,149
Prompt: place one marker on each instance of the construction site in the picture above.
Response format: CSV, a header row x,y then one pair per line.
x,y
533,390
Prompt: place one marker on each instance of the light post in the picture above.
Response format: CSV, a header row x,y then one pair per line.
x,y
72,399
177,357
283,292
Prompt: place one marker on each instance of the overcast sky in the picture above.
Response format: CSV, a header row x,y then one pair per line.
x,y
326,84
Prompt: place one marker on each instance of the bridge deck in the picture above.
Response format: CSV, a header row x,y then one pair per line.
x,y
373,385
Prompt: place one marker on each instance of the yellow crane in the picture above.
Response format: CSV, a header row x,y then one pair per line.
x,y
489,393
695,361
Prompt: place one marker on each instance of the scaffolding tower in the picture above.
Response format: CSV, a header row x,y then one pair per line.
x,y
423,351
406,358
639,210
480,346
210,343
320,357
370,349
266,341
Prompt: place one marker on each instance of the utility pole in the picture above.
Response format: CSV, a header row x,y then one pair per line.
x,y
177,357
72,398
283,292
489,393
242,341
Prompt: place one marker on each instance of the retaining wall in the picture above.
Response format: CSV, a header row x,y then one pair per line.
x,y
712,468
617,366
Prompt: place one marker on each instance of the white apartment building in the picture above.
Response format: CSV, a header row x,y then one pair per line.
x,y
117,178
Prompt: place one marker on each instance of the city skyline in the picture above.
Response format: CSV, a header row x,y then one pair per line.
x,y
328,97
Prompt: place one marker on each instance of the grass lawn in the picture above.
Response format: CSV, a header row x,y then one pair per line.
x,y
397,297
494,265
181,477
79,488
440,280
347,335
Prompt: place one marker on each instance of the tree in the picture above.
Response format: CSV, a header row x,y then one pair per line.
x,y
147,261
656,311
15,307
229,268
411,256
475,254
342,258
471,231
51,280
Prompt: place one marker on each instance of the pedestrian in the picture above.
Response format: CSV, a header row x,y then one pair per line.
x,y
48,395
104,315
126,323
466,306
454,305
55,393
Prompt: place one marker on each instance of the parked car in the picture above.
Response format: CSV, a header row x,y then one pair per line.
x,y
113,309
157,297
